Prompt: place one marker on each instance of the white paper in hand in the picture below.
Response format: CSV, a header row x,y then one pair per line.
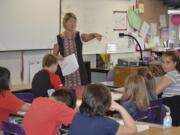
x,y
69,65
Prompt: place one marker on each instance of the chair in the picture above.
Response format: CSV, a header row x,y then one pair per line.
x,y
154,111
152,115
26,97
140,116
12,129
109,76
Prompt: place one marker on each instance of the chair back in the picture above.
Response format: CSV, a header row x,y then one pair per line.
x,y
109,76
26,97
154,111
140,116
12,129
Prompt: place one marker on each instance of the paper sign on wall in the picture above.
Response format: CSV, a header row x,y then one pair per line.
x,y
163,21
120,20
144,30
111,48
153,29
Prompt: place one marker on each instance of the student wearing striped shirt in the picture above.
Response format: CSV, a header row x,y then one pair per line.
x,y
169,84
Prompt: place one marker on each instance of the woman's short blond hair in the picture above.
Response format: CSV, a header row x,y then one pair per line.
x,y
136,92
67,16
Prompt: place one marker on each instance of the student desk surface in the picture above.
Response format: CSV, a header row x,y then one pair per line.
x,y
21,87
161,131
145,128
26,87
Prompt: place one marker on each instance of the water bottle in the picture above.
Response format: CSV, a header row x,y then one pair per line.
x,y
167,121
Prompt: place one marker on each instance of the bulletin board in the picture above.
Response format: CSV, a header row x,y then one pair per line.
x,y
152,10
97,16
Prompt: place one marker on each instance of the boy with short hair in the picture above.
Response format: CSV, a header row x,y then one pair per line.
x,y
46,115
46,79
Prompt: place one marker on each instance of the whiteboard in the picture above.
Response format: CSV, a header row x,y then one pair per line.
x,y
28,24
97,16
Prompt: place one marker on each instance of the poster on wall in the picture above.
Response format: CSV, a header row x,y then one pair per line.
x,y
120,20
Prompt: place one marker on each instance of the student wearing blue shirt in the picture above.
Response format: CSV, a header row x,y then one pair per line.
x,y
91,120
135,97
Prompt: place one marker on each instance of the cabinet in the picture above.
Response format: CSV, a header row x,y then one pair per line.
x,y
121,73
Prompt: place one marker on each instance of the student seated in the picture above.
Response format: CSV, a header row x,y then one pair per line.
x,y
47,114
135,97
169,84
91,119
46,81
8,102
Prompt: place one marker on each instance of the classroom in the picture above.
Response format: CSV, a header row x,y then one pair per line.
x,y
89,67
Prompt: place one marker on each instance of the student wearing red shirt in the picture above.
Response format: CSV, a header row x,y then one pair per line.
x,y
46,79
46,115
8,102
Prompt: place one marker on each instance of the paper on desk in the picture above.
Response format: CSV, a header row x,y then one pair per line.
x,y
140,127
69,65
121,89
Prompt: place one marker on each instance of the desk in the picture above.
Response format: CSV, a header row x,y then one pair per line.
x,y
100,70
115,96
161,131
108,84
99,74
154,129
21,87
121,73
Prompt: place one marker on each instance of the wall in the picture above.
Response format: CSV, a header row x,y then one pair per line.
x,y
97,16
12,60
100,77
177,30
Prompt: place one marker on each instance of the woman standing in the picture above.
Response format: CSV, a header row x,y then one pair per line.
x,y
69,42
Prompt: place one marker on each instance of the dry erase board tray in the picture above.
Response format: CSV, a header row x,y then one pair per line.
x,y
19,50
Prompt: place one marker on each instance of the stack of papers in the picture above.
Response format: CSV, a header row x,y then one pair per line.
x,y
69,65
